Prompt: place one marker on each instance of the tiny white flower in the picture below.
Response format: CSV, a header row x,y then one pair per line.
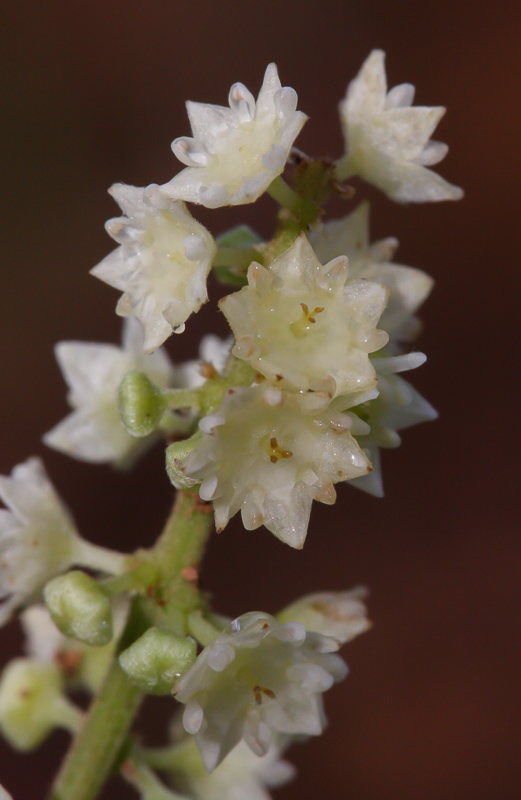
x,y
305,325
161,264
398,406
257,680
408,287
341,615
236,152
241,776
270,460
388,141
93,373
213,351
38,538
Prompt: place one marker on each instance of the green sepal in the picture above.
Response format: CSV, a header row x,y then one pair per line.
x,y
141,404
155,660
80,608
240,236
175,454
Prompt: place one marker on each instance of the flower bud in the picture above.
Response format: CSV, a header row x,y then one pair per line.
x,y
141,404
175,455
80,608
31,702
156,659
341,615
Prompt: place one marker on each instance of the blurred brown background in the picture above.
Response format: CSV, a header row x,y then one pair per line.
x,y
94,93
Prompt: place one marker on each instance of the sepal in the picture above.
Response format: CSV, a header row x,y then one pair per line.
x,y
155,660
80,608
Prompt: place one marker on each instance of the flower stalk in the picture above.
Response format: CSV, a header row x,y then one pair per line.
x,y
97,748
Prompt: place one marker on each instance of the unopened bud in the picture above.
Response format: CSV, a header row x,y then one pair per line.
x,y
157,659
80,608
141,404
341,615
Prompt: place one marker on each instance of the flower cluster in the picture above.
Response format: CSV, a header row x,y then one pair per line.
x,y
320,322
301,397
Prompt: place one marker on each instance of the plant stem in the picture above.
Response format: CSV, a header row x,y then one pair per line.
x,y
96,751
96,748
304,210
184,537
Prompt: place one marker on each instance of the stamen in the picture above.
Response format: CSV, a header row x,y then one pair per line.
x,y
273,449
258,691
308,318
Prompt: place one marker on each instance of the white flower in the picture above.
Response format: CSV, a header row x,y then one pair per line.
x,y
388,141
93,373
257,679
261,454
161,264
241,776
398,406
213,351
236,152
38,539
341,615
305,325
408,287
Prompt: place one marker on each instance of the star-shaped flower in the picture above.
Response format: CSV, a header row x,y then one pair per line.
x,y
388,141
305,325
93,372
408,286
161,264
398,406
236,152
260,454
38,538
257,680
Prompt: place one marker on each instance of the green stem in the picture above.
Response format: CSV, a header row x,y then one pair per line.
x,y
184,537
173,758
67,715
201,629
147,784
181,398
97,749
304,210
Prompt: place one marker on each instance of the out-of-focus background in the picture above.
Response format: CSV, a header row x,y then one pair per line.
x,y
94,94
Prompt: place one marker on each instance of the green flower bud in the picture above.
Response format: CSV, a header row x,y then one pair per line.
x,y
157,659
175,455
141,404
32,703
80,608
